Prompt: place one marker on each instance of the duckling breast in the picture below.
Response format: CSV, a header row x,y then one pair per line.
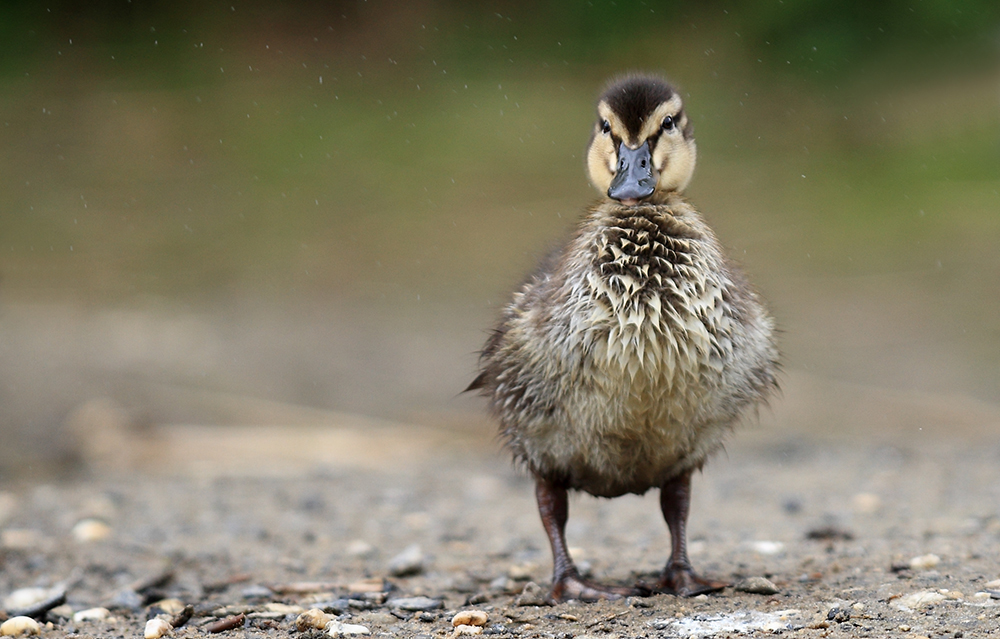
x,y
630,358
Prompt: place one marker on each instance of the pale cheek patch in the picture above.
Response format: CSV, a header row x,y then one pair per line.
x,y
660,157
600,163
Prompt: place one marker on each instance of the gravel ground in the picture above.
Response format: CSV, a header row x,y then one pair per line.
x,y
861,536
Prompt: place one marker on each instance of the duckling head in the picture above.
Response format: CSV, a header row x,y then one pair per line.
x,y
643,142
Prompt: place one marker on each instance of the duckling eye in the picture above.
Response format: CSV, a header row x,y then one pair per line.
x,y
669,123
605,126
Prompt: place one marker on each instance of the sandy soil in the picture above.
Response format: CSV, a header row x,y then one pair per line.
x,y
863,535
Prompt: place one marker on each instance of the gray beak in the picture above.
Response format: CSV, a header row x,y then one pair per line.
x,y
634,179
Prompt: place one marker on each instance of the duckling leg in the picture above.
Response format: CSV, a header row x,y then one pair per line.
x,y
678,577
566,580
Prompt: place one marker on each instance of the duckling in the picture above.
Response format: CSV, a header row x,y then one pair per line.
x,y
627,358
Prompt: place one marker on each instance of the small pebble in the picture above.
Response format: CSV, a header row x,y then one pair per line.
x,y
61,613
256,592
920,599
303,587
757,586
338,606
340,629
470,618
409,562
156,628
521,572
284,609
838,615
767,547
271,616
415,604
170,606
90,530
360,548
992,584
314,618
866,503
467,630
127,599
502,583
374,584
19,538
381,618
92,614
16,626
829,533
532,595
925,562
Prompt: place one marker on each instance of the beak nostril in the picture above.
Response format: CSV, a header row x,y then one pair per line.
x,y
634,179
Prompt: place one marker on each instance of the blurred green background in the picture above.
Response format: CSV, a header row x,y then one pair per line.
x,y
324,204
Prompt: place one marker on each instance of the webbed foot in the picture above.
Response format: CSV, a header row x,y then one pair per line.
x,y
684,582
576,587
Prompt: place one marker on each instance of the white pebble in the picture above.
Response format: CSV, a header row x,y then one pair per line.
x,y
919,599
170,606
467,630
409,562
19,626
925,562
757,586
284,609
867,503
156,628
339,629
19,538
90,530
360,548
993,584
92,614
470,618
372,584
314,618
768,547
